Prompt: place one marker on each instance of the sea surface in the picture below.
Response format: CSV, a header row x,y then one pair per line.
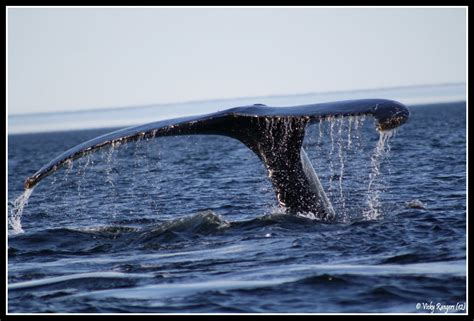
x,y
191,224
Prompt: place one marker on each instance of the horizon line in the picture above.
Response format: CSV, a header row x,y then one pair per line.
x,y
184,102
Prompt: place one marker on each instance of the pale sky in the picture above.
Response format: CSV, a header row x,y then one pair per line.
x,y
62,59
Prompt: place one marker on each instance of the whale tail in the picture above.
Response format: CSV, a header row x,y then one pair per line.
x,y
275,134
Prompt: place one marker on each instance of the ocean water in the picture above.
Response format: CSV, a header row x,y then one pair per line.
x,y
191,224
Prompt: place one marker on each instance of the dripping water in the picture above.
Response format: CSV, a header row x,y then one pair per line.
x,y
320,137
69,166
142,156
110,156
340,142
349,124
153,160
345,160
376,185
331,153
358,125
82,173
110,159
16,211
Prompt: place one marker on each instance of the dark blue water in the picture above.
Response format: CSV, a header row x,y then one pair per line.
x,y
191,224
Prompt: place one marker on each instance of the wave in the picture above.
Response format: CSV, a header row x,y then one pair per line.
x,y
201,223
78,276
326,277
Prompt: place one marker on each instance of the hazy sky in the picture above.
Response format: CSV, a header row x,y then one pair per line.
x,y
69,59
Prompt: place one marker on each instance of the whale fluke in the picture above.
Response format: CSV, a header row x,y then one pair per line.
x,y
275,134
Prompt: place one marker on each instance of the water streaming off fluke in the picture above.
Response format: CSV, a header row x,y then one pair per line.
x,y
376,184
275,135
16,211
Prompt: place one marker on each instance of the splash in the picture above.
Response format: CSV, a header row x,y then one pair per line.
x,y
16,212
309,215
381,150
415,203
